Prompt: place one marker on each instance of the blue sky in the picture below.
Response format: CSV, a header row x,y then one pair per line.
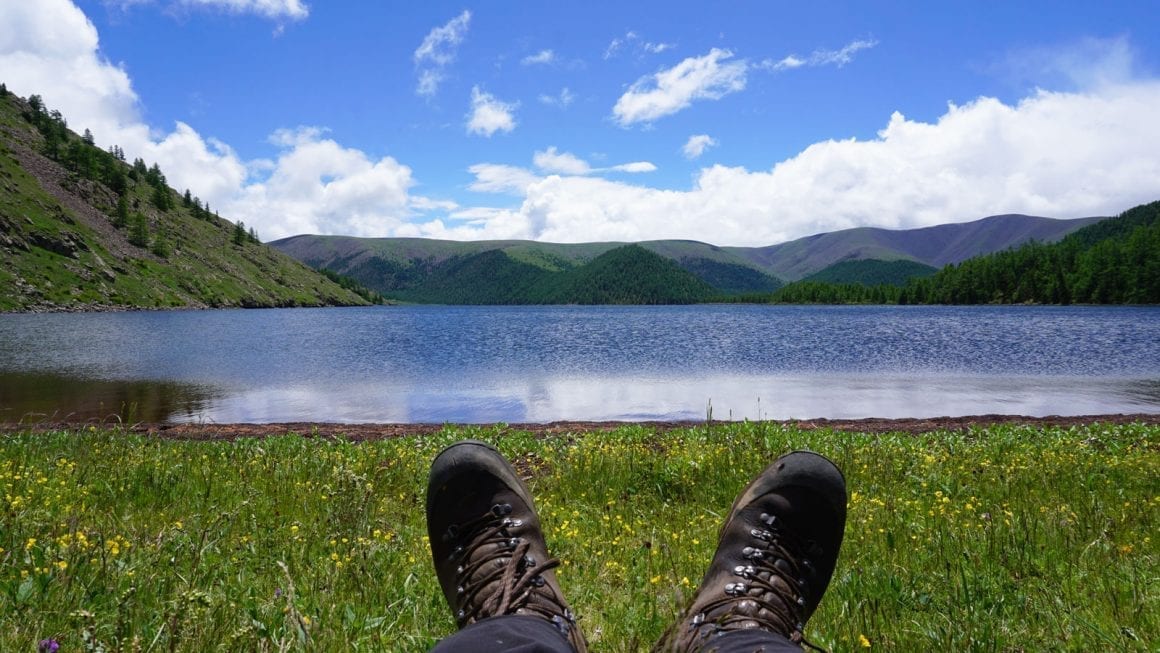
x,y
744,123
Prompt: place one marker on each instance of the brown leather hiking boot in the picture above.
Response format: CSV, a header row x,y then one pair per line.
x,y
486,542
775,555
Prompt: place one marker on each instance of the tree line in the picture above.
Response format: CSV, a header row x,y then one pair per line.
x,y
1114,261
82,157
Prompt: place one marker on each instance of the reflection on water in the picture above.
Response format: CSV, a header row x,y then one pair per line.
x,y
30,398
631,399
537,364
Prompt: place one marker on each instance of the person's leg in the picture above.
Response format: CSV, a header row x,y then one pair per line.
x,y
515,633
775,556
490,556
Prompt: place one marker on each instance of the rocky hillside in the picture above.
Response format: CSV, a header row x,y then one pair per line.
x,y
82,229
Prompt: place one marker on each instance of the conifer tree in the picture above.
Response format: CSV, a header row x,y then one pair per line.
x,y
121,217
139,230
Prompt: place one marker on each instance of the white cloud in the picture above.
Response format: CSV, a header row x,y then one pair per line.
x,y
635,167
552,161
564,163
541,57
314,185
616,43
822,57
293,9
514,180
319,186
498,178
426,204
789,62
489,114
614,47
437,51
562,100
697,144
709,77
1054,154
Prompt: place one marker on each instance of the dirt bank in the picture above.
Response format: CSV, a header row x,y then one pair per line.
x,y
378,431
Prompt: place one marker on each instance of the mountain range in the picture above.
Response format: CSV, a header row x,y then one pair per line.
x,y
518,271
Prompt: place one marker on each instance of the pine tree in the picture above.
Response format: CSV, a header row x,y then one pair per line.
x,y
139,230
240,235
121,217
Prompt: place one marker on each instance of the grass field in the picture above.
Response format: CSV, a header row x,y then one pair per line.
x,y
998,539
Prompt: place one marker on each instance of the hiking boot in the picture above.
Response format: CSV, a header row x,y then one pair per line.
x,y
775,556
486,542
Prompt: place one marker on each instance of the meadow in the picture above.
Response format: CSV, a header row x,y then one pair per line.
x,y
1000,538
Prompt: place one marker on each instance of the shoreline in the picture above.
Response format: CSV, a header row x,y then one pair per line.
x,y
378,431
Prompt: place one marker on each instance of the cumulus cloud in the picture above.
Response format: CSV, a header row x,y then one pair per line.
x,y
489,114
540,58
821,57
1054,154
314,184
564,98
709,77
437,51
697,144
565,163
319,186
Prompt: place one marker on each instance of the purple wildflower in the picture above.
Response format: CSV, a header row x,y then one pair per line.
x,y
49,645
277,592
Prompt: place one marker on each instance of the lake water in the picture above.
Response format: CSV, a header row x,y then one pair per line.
x,y
539,364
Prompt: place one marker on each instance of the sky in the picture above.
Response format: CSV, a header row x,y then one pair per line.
x,y
734,123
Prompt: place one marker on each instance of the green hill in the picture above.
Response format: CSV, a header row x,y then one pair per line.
x,y
81,229
426,270
625,275
872,272
521,272
1116,261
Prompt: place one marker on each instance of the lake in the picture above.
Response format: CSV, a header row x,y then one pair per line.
x,y
547,363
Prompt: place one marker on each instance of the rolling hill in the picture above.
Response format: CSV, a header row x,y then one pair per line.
x,y
526,272
515,271
934,246
81,229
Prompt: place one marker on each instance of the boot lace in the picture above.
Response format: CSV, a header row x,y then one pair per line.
x,y
497,575
756,599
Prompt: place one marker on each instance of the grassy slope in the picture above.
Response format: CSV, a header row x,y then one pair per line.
x,y
57,256
1001,539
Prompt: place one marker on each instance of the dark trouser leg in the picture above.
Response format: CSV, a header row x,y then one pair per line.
x,y
751,641
515,633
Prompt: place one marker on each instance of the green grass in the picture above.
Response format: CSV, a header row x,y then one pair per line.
x,y
999,539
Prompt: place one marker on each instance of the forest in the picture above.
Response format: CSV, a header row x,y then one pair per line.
x,y
1114,261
